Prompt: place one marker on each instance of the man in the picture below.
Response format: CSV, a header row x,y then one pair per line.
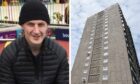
x,y
33,58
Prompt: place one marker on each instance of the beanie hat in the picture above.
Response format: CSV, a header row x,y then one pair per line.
x,y
33,10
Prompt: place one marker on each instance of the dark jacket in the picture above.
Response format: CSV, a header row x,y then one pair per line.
x,y
19,66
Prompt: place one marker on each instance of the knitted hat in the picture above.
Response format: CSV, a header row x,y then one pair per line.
x,y
33,10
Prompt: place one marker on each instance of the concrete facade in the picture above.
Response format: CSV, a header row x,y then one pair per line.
x,y
106,54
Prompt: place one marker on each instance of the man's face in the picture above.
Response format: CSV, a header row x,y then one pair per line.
x,y
35,31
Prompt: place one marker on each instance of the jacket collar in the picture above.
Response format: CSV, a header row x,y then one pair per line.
x,y
44,46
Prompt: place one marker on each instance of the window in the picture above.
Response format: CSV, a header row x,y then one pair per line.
x,y
105,61
106,47
106,19
106,53
84,80
93,27
86,64
85,71
92,34
106,37
92,31
105,77
106,29
106,33
126,39
106,22
105,64
134,80
106,15
127,45
91,38
89,47
124,34
106,42
90,42
106,25
89,52
88,58
124,29
105,68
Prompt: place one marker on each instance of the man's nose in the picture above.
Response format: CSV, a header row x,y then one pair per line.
x,y
36,29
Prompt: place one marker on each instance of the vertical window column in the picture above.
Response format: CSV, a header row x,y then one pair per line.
x,y
105,51
95,65
88,56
